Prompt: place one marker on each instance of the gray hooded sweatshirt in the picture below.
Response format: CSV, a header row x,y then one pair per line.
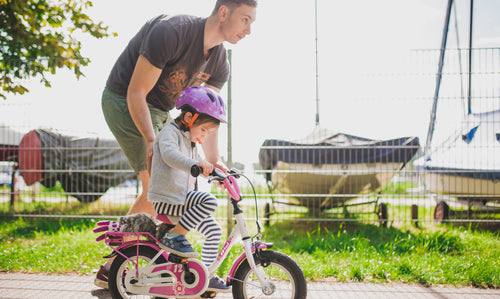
x,y
173,156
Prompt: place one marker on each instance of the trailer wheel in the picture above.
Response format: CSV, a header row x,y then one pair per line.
x,y
382,214
441,212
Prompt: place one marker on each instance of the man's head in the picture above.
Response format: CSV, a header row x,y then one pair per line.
x,y
232,4
235,18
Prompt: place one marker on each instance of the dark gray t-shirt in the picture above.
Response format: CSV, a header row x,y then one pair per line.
x,y
175,45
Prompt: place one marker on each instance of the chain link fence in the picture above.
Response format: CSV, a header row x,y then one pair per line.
x,y
326,176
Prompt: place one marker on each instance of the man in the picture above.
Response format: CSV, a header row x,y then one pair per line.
x,y
167,55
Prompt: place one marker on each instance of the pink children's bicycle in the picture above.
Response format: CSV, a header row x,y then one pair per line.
x,y
142,269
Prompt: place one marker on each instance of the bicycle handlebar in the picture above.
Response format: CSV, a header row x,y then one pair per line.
x,y
227,179
197,170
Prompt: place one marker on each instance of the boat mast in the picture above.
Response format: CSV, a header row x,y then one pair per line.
x,y
440,69
317,76
432,121
469,108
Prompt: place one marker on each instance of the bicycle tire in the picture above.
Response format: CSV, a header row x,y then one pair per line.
x,y
119,265
283,271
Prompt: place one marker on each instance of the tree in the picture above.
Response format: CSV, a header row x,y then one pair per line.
x,y
37,38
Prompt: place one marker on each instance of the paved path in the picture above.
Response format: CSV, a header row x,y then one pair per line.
x,y
32,286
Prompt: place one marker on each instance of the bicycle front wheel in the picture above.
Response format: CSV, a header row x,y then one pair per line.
x,y
284,274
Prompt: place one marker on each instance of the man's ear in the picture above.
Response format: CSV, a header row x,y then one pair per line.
x,y
223,13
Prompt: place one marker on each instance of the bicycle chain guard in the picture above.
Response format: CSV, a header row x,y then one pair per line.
x,y
182,286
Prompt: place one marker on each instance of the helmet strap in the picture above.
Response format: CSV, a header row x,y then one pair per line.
x,y
193,119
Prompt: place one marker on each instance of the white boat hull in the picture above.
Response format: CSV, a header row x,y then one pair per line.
x,y
330,185
463,187
467,164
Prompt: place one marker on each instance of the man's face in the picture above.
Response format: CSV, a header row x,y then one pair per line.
x,y
237,25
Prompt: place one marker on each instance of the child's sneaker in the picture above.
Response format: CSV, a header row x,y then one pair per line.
x,y
178,245
216,284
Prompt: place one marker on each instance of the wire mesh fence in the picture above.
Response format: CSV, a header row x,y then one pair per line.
x,y
326,176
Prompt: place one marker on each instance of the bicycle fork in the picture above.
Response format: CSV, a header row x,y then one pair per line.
x,y
249,249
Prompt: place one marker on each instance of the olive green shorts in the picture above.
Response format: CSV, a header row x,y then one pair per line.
x,y
122,126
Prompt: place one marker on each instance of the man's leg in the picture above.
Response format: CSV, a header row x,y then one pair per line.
x,y
123,128
132,143
142,204
159,119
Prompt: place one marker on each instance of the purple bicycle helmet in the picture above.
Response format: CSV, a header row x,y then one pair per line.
x,y
204,100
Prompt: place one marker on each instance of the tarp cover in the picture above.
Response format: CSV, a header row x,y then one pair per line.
x,y
324,147
9,143
85,166
473,150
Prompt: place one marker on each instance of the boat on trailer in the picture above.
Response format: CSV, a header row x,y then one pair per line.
x,y
326,169
466,165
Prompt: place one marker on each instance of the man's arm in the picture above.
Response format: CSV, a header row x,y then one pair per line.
x,y
143,80
211,147
211,144
213,88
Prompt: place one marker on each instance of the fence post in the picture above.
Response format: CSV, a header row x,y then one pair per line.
x,y
13,181
414,214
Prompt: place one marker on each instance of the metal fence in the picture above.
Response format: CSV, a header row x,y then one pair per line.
x,y
326,176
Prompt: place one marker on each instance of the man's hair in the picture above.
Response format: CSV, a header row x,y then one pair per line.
x,y
232,4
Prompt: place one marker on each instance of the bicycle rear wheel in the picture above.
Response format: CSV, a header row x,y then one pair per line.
x,y
283,272
120,266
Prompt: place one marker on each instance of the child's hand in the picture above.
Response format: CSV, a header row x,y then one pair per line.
x,y
207,167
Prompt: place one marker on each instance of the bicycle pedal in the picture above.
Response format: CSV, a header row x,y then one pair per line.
x,y
208,294
177,259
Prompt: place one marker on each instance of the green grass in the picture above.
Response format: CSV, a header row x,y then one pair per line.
x,y
360,252
328,251
48,245
40,207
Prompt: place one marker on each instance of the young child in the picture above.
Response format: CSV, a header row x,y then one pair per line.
x,y
172,188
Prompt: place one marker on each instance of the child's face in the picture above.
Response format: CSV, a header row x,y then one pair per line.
x,y
200,132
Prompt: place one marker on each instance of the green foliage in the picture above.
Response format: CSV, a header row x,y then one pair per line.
x,y
398,188
41,207
57,188
37,37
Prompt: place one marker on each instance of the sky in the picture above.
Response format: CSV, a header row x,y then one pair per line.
x,y
371,80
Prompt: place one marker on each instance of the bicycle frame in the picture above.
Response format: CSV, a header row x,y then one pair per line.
x,y
239,230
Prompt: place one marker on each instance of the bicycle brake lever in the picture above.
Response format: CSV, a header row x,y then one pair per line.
x,y
234,172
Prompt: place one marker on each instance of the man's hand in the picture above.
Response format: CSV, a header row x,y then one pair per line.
x,y
149,160
221,166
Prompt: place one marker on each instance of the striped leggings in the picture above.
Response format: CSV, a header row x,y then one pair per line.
x,y
196,214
